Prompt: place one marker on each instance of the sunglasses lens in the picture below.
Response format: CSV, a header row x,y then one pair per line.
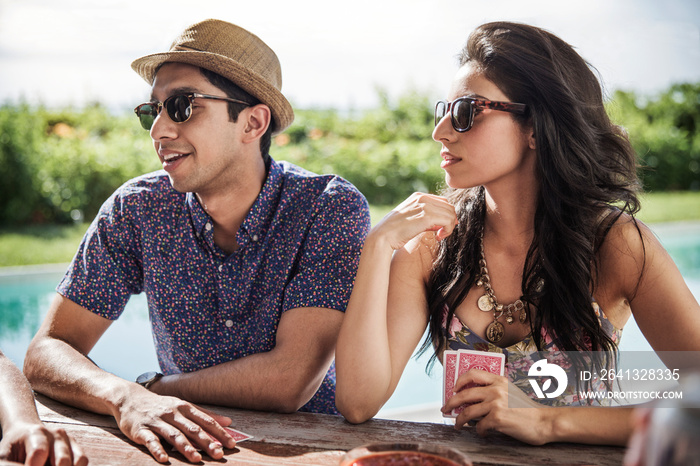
x,y
179,108
440,109
147,114
461,114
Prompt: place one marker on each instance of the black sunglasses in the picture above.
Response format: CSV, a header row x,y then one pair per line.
x,y
462,110
178,106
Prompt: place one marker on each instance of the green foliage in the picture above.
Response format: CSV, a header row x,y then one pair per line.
x,y
387,152
20,137
60,165
665,132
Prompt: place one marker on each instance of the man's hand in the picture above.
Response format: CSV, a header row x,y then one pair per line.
x,y
146,418
57,365
33,444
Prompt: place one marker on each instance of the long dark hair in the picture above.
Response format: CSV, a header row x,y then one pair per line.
x,y
587,172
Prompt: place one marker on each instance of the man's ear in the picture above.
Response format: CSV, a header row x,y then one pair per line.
x,y
257,119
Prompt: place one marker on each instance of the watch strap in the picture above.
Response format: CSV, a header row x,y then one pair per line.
x,y
148,378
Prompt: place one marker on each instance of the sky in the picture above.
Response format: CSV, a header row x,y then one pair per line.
x,y
333,54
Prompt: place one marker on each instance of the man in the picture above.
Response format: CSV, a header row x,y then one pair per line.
x,y
246,263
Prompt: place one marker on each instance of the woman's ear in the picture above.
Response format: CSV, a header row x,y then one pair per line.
x,y
531,140
257,119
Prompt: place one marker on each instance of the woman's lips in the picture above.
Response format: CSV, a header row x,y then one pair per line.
x,y
448,159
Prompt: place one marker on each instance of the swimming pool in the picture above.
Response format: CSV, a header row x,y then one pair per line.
x,y
25,294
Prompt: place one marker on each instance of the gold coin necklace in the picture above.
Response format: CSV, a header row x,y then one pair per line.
x,y
488,302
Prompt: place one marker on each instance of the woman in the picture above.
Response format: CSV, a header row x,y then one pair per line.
x,y
543,190
24,438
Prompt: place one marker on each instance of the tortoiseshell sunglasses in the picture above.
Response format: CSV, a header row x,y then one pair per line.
x,y
462,110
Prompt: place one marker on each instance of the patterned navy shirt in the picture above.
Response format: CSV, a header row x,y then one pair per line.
x,y
299,246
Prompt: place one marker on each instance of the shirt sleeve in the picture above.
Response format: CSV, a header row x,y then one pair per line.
x,y
107,268
331,252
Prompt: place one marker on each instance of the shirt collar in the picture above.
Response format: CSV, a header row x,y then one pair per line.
x,y
257,222
199,216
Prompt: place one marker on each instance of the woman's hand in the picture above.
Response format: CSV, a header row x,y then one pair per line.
x,y
33,444
500,406
419,213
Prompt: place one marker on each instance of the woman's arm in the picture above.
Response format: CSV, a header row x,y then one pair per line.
x,y
638,274
387,312
501,406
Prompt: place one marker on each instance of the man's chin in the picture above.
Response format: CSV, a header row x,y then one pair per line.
x,y
179,186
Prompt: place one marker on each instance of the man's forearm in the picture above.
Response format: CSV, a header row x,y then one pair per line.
x,y
58,370
67,375
282,379
259,381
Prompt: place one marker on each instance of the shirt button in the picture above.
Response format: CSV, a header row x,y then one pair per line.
x,y
221,267
255,238
207,226
229,323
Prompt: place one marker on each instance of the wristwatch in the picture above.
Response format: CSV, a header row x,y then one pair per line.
x,y
148,378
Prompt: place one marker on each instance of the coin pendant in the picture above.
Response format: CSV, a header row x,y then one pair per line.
x,y
485,303
495,331
523,316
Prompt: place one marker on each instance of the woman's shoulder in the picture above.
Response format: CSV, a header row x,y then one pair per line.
x,y
627,236
626,252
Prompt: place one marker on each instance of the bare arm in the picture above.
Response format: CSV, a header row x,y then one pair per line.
x,y
283,379
662,304
24,437
387,312
57,365
500,406
56,362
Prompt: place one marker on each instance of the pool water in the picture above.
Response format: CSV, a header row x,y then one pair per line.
x,y
127,348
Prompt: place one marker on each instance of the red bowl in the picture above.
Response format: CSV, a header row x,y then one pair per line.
x,y
404,454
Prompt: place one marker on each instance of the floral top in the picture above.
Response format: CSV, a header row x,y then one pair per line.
x,y
522,355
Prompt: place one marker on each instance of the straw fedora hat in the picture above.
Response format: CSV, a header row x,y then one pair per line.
x,y
232,52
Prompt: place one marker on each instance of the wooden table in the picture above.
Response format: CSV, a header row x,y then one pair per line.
x,y
316,439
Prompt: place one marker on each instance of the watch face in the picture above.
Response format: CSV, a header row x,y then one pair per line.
x,y
145,378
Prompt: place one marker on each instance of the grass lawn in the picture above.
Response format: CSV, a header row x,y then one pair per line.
x,y
670,207
47,244
39,244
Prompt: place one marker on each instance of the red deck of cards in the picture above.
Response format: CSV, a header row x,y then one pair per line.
x,y
456,363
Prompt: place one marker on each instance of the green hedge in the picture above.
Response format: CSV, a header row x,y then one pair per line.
x,y
665,132
60,165
387,152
